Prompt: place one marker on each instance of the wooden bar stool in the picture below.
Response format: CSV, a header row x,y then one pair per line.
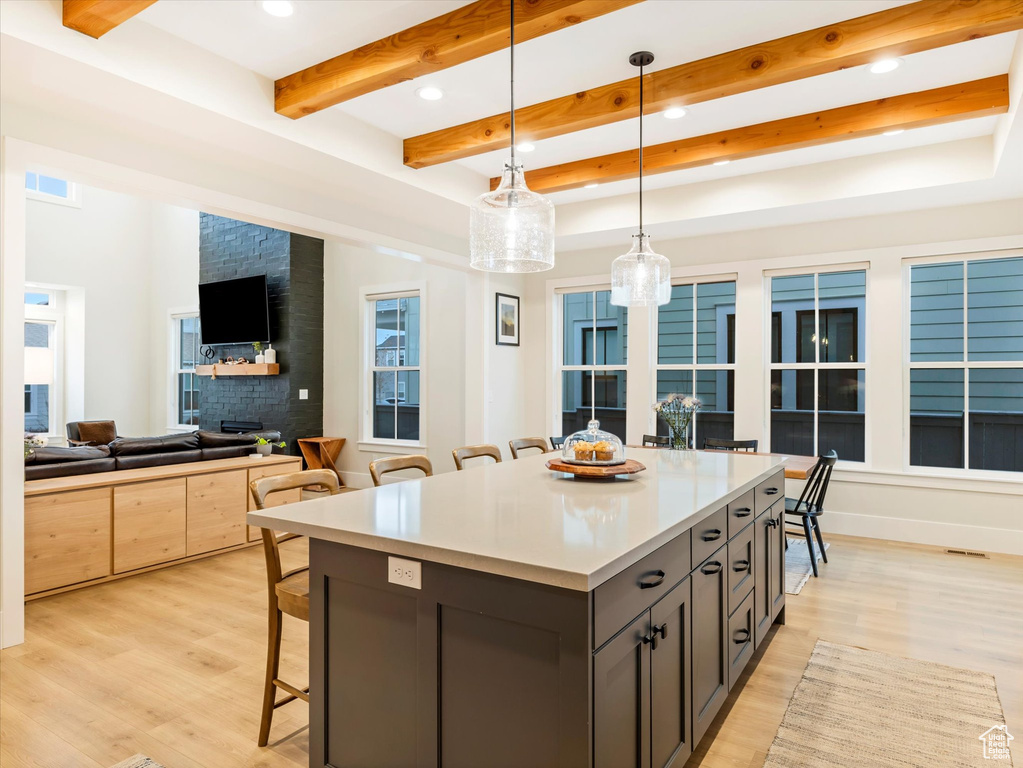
x,y
381,467
288,592
475,451
655,441
525,444
718,444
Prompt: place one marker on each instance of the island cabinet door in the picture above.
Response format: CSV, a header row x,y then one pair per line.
x,y
777,565
763,554
671,679
710,655
621,698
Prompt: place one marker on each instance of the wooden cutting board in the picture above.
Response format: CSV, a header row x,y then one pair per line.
x,y
630,467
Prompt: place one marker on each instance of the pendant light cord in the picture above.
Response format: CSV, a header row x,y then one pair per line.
x,y
640,150
512,49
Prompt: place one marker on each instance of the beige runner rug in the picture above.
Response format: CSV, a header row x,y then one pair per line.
x,y
862,709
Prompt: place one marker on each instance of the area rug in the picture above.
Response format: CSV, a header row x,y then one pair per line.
x,y
855,708
138,761
797,565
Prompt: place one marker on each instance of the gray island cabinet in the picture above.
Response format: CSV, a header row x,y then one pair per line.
x,y
510,616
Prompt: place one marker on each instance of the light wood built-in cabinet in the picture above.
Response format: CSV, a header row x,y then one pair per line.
x,y
88,529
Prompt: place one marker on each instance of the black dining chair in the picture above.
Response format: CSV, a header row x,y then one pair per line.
x,y
810,505
558,442
656,441
718,444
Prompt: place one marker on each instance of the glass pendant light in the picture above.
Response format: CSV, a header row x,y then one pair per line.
x,y
511,229
640,278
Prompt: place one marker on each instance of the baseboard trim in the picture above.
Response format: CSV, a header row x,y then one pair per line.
x,y
924,532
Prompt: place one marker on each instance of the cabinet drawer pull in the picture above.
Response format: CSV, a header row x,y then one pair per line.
x,y
743,512
655,582
651,640
772,522
770,491
661,630
715,567
740,566
744,639
712,535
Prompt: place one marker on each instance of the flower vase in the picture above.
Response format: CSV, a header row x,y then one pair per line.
x,y
259,359
680,438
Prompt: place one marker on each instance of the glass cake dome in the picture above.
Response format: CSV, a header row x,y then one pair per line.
x,y
593,446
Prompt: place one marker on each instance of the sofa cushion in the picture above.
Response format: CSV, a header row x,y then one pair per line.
x,y
97,432
68,468
158,459
221,439
141,446
58,455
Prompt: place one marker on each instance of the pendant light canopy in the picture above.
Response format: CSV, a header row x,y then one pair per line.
x,y
640,278
511,229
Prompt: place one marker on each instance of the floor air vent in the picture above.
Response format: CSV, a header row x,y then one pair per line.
x,y
967,553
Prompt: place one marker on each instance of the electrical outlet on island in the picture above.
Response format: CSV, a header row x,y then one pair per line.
x,y
407,573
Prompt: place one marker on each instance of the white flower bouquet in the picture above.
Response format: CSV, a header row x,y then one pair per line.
x,y
678,411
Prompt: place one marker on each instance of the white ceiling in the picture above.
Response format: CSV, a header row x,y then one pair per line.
x,y
589,54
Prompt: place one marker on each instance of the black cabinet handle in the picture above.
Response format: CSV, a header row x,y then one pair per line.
x,y
743,512
712,535
744,639
656,582
714,566
651,640
740,566
770,491
661,630
772,522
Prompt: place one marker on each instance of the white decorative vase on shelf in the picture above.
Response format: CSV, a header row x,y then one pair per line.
x,y
270,354
260,359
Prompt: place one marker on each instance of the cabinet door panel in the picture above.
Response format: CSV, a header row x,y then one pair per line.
x,y
621,699
67,538
671,686
777,565
149,523
710,661
216,511
763,555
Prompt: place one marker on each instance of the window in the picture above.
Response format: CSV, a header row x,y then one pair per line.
x,y
594,352
395,366
818,363
185,385
43,357
51,189
966,364
696,355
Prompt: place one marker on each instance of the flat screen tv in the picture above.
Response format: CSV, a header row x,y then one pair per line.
x,y
234,311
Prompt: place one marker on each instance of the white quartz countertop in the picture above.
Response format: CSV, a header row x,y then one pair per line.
x,y
519,519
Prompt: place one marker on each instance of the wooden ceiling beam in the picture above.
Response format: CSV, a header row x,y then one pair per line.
x,y
894,32
464,34
97,17
978,98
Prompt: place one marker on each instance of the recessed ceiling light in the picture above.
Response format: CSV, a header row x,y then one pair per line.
x,y
591,186
279,8
675,113
895,132
525,147
430,93
722,162
885,65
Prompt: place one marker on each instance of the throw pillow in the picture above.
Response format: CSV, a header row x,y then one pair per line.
x,y
97,432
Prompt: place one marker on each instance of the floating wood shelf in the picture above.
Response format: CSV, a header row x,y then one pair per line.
x,y
241,369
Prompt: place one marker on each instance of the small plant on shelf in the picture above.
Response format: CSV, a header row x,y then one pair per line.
x,y
264,447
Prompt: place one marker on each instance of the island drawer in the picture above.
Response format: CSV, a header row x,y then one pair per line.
x,y
740,513
740,568
622,598
740,640
709,535
769,491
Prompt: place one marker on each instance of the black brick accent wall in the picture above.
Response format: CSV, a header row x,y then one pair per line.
x,y
293,265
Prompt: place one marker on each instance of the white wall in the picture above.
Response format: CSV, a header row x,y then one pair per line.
x,y
880,499
128,261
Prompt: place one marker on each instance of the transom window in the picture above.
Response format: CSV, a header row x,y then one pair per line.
x,y
966,364
696,355
395,359
594,353
50,189
818,363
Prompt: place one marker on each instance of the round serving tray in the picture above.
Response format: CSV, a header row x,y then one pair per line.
x,y
628,467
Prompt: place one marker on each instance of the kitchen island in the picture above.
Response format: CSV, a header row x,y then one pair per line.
x,y
507,615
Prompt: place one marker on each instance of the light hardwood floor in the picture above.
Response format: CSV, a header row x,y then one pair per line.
x,y
170,663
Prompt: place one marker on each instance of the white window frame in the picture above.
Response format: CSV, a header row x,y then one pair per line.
x,y
74,192
863,365
694,366
52,314
367,327
175,368
964,365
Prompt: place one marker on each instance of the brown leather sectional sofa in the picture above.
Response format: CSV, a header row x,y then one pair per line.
x,y
136,452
